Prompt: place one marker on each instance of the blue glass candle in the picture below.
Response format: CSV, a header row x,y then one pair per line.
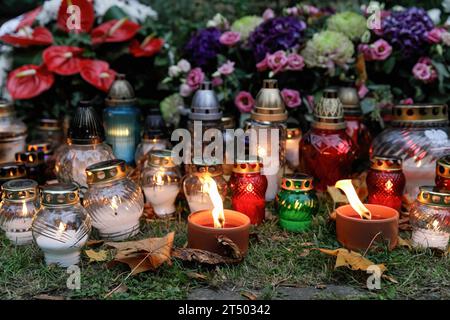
x,y
122,120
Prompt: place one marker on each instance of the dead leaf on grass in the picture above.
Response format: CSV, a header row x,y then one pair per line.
x,y
197,276
233,250
304,253
94,243
48,297
202,256
143,255
249,295
351,259
389,278
404,243
96,256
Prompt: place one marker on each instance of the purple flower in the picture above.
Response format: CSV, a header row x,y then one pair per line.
x,y
244,101
291,98
275,34
407,30
203,47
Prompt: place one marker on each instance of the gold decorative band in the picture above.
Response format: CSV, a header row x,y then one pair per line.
x,y
213,169
161,158
293,133
19,190
297,182
44,147
12,170
106,171
247,166
428,195
383,163
443,167
420,113
59,194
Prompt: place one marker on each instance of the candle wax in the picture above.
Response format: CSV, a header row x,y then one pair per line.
x,y
430,239
292,151
18,231
162,198
200,202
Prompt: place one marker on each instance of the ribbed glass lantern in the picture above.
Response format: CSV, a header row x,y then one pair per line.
x,y
62,226
50,130
17,209
122,119
270,116
114,202
420,136
84,147
13,132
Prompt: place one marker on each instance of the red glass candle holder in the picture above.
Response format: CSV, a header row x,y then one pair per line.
x,y
386,182
248,189
443,173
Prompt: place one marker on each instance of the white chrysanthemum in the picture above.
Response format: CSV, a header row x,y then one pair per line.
x,y
137,11
49,12
5,67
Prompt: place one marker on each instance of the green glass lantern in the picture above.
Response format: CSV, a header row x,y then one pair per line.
x,y
297,202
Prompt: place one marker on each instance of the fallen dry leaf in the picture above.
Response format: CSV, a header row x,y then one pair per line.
x,y
149,213
96,256
249,295
304,253
143,255
307,244
197,276
404,243
121,288
389,278
351,259
94,243
48,297
320,286
232,249
202,256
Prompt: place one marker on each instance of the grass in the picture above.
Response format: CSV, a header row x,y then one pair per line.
x,y
276,258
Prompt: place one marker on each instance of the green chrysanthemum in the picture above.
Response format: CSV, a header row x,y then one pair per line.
x,y
351,24
328,48
246,25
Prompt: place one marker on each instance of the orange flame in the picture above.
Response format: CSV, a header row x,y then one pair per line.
x,y
61,229
210,187
347,186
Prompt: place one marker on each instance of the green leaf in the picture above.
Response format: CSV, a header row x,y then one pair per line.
x,y
114,13
389,65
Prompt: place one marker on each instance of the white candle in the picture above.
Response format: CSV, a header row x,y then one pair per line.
x,y
426,238
292,151
273,182
118,221
199,202
63,252
18,230
162,198
418,174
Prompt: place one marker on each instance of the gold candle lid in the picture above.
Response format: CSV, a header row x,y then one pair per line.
x,y
443,167
228,122
50,125
6,108
200,167
293,133
12,170
30,158
428,195
269,105
106,171
42,146
297,182
248,166
329,111
383,163
420,114
350,100
60,194
161,158
19,190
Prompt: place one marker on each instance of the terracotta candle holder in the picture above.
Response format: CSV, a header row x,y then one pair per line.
x,y
355,233
202,234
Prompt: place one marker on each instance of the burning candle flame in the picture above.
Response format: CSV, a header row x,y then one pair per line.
x,y
347,186
210,187
61,229
24,209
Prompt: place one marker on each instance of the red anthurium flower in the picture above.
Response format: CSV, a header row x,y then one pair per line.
x,y
28,18
29,81
97,73
70,21
29,37
62,60
149,47
114,31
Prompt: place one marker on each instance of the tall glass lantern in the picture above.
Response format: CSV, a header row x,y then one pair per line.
x,y
122,119
154,138
50,130
84,147
270,116
205,111
326,151
420,136
13,132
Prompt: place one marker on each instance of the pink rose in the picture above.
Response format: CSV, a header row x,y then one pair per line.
x,y
435,35
380,50
194,78
244,101
185,90
362,91
424,70
230,38
295,62
291,98
277,61
227,68
217,81
268,14
408,101
262,65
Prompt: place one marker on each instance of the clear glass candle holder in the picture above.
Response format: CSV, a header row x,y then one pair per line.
x,y
114,202
61,226
17,209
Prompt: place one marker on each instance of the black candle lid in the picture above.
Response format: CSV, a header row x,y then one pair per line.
x,y
155,127
85,126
